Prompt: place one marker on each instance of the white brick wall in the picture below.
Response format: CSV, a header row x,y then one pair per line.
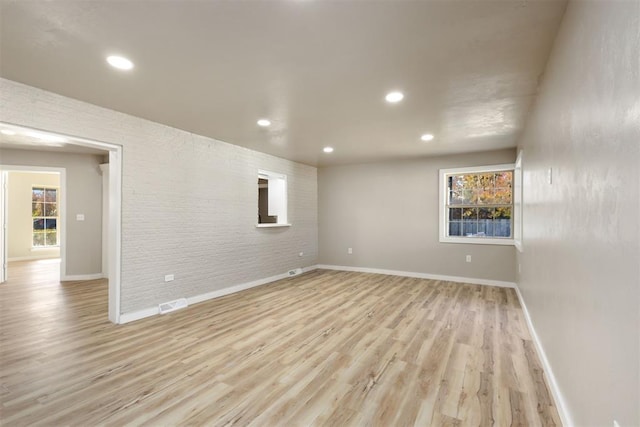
x,y
189,203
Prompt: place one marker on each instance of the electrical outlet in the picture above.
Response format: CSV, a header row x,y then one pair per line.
x,y
350,251
80,217
301,254
169,278
468,258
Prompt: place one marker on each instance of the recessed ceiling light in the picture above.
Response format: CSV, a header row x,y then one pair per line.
x,y
46,137
264,123
7,132
394,97
426,137
328,149
119,62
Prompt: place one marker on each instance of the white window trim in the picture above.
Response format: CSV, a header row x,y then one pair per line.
x,y
283,215
517,203
442,204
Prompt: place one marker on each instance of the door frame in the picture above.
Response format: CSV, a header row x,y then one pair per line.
x,y
4,208
115,212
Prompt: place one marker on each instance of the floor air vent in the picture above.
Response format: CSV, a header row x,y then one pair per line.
x,y
168,307
295,272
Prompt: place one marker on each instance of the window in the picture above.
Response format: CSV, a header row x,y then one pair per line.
x,y
44,214
477,205
272,199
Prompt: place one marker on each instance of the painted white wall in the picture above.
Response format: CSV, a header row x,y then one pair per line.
x,y
83,196
189,203
19,233
580,266
388,214
105,169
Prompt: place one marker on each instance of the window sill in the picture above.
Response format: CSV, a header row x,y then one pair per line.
x,y
272,225
44,248
478,241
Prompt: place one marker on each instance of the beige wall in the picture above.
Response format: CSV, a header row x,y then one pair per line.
x,y
20,225
388,213
83,196
580,277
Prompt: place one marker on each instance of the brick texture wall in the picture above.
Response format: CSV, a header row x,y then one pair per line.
x,y
189,203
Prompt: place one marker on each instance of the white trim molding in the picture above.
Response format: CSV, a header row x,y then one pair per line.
x,y
33,257
81,277
458,279
115,214
152,311
62,211
561,405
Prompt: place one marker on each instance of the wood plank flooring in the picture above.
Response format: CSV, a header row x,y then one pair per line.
x,y
326,348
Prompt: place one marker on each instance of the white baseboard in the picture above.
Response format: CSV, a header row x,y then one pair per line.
x,y
137,315
471,280
233,289
152,311
77,277
560,402
32,257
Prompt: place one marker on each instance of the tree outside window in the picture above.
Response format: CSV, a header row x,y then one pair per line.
x,y
44,214
480,204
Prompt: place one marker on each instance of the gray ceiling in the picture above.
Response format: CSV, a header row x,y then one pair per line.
x,y
319,70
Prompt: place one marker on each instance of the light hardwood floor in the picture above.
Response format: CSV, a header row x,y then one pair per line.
x,y
325,348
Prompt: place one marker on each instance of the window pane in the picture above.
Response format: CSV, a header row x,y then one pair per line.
x,y
485,227
486,180
503,213
455,198
38,239
455,214
486,196
470,181
469,214
52,238
50,224
37,209
502,224
38,224
469,196
455,228
456,182
485,213
502,228
51,195
37,195
503,179
50,209
482,228
502,196
470,228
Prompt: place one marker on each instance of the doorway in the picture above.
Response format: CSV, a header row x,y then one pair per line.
x,y
35,214
20,137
